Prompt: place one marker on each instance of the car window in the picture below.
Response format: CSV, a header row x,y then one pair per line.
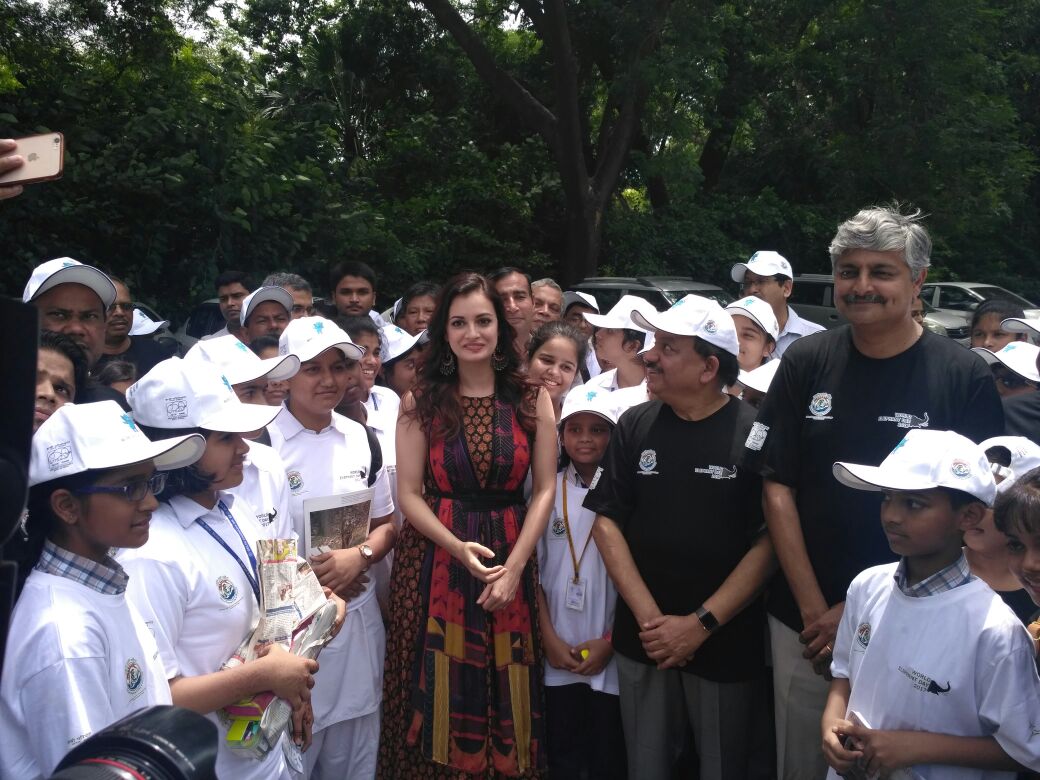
x,y
606,297
999,293
810,293
718,295
205,319
957,299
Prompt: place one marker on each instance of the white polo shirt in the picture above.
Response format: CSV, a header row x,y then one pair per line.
x,y
795,328
265,488
199,603
337,460
77,661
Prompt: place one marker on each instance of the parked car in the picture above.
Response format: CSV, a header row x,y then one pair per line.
x,y
813,299
661,291
203,320
964,297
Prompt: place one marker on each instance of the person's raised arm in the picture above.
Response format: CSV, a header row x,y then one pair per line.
x,y
543,470
412,449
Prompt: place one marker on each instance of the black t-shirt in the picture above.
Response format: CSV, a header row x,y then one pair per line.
x,y
1022,416
829,402
144,352
689,514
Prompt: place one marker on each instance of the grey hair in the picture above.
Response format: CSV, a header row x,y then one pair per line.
x,y
880,229
287,280
547,282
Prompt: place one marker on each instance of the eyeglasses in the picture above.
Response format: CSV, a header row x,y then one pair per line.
x,y
133,491
750,283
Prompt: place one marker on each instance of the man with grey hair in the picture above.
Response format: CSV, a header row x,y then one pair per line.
x,y
299,288
548,301
849,394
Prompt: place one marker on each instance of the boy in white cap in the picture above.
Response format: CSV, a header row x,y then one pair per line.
x,y
757,331
79,655
619,341
196,580
327,455
1014,367
679,526
931,669
575,306
768,275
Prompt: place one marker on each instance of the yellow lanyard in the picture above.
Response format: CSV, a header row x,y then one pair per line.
x,y
575,559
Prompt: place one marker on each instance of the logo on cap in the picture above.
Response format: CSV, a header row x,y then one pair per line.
x,y
176,407
960,469
590,395
59,456
241,347
67,264
710,327
748,301
319,327
223,379
226,588
126,418
821,404
134,676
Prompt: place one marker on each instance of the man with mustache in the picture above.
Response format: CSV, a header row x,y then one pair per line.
x,y
849,394
142,351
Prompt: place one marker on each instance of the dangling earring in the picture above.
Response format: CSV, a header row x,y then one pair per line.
x,y
498,360
447,366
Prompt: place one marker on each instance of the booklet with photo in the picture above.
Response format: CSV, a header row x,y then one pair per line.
x,y
336,522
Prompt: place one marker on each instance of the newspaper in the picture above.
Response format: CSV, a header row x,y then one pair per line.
x,y
295,614
858,772
336,522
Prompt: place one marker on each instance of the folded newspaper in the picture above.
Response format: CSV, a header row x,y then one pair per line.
x,y
295,614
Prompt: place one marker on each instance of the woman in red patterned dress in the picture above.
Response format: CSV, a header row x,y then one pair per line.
x,y
463,688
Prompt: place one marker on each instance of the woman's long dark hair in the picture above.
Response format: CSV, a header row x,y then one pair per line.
x,y
436,396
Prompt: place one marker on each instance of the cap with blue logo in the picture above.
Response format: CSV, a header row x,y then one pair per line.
x,y
240,364
1017,356
759,312
308,337
693,315
65,270
764,263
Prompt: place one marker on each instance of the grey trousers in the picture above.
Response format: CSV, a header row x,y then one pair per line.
x,y
657,708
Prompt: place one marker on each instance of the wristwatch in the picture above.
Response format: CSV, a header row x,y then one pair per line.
x,y
707,619
366,554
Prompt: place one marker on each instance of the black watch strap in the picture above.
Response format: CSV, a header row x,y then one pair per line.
x,y
707,619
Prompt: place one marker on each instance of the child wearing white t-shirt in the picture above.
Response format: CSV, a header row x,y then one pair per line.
x,y
79,655
933,673
576,608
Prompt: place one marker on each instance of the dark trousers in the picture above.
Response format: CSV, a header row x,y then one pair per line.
x,y
584,736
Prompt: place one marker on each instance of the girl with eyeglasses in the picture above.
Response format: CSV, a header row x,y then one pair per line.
x,y
79,655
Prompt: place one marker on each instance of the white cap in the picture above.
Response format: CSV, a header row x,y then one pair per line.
x,y
258,296
143,325
693,315
759,312
398,342
240,364
924,460
1019,325
80,437
759,378
620,316
593,401
764,263
1018,356
573,297
193,394
308,337
1025,456
65,270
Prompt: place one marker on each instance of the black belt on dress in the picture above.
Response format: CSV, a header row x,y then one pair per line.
x,y
482,500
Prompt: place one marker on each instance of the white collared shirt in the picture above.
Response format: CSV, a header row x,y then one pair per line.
x,y
199,603
265,488
795,328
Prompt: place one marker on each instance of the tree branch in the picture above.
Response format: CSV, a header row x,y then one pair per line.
x,y
571,153
540,118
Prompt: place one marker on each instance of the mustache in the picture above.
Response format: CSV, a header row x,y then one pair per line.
x,y
863,299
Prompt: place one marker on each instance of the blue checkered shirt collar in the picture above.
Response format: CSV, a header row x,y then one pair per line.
x,y
107,577
953,576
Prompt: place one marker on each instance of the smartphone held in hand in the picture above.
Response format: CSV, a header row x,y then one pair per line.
x,y
43,159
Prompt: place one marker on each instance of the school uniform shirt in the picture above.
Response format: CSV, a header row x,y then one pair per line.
x,y
79,658
828,402
266,489
199,602
956,662
689,513
349,682
556,572
795,328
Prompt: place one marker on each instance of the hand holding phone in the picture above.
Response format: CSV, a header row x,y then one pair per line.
x,y
29,160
